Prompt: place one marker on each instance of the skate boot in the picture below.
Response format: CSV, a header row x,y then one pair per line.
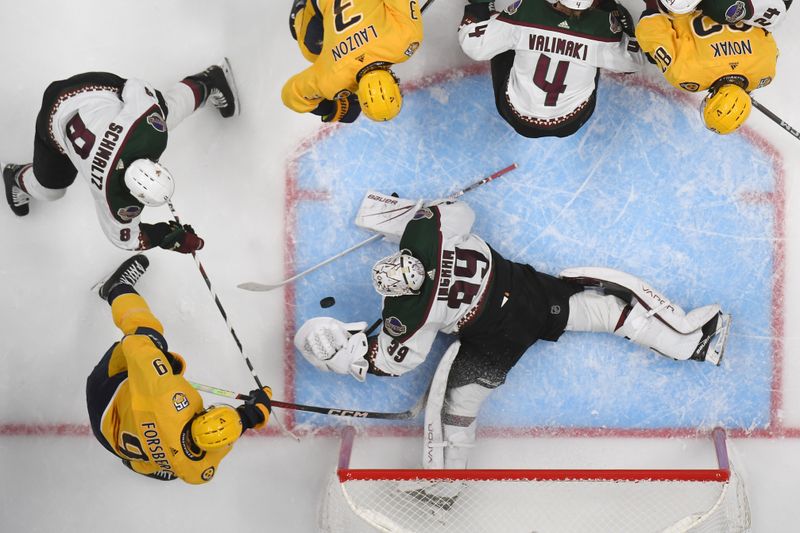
x,y
220,88
712,344
127,273
18,199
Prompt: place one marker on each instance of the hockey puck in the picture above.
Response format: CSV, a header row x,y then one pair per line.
x,y
326,302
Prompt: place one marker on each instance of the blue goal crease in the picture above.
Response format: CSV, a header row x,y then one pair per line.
x,y
624,192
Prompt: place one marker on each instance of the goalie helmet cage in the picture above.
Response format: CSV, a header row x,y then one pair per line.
x,y
535,501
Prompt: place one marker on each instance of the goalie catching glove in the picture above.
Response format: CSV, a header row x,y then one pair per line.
x,y
334,346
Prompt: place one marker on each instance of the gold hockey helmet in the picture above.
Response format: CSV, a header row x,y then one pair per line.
x,y
379,93
216,427
726,108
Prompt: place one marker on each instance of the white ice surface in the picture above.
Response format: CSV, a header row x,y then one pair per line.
x,y
230,187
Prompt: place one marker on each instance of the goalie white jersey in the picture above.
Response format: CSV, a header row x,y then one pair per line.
x,y
556,57
459,272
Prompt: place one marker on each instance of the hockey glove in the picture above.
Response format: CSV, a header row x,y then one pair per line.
x,y
625,20
344,110
329,345
181,238
255,411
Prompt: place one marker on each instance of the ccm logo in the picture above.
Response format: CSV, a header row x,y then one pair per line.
x,y
341,412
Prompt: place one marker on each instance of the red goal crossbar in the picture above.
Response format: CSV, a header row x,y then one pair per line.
x,y
720,474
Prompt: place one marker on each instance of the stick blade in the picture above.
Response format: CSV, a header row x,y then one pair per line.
x,y
257,287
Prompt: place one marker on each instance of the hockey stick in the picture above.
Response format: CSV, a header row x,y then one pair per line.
x,y
425,6
775,118
219,305
261,287
332,411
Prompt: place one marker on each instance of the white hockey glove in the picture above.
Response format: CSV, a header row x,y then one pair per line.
x,y
329,345
386,214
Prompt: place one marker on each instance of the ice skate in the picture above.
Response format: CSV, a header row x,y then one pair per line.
x,y
221,88
18,199
128,272
711,347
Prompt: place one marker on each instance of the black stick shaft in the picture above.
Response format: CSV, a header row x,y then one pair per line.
x,y
219,305
775,118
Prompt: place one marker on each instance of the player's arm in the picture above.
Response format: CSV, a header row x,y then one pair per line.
x,y
388,356
657,37
301,93
483,35
149,469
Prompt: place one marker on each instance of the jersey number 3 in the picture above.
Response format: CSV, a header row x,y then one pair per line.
x,y
341,20
552,88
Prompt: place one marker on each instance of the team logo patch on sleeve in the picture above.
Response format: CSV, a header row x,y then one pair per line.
x,y
411,49
208,473
157,122
180,401
690,86
423,213
735,12
513,7
126,214
394,326
763,82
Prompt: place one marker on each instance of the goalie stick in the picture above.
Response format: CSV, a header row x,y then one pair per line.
x,y
262,287
332,411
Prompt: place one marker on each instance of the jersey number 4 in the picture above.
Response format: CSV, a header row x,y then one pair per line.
x,y
552,88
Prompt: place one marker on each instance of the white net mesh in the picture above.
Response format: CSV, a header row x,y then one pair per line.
x,y
525,506
526,501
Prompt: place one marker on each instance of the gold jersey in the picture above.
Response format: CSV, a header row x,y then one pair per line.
x,y
355,33
693,51
146,421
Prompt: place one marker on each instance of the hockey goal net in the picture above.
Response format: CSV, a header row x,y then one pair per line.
x,y
535,501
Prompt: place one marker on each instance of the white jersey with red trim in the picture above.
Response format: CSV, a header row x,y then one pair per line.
x,y
556,57
102,132
459,270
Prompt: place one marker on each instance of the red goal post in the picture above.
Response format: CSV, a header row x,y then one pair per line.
x,y
540,501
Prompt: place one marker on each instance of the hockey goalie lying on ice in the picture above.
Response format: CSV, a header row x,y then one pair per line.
x,y
445,278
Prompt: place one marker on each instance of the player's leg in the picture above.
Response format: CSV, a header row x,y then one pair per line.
x,y
214,86
611,304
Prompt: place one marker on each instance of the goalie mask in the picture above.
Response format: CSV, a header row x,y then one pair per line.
x,y
400,274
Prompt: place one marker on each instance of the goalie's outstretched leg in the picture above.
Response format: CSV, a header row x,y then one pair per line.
x,y
624,305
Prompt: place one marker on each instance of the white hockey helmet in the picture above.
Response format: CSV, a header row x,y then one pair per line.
x,y
577,5
679,7
399,274
149,182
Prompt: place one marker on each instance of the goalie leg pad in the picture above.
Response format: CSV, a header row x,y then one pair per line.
x,y
649,331
433,449
631,288
461,407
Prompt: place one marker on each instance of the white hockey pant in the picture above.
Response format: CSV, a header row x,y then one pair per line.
x,y
180,103
590,310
